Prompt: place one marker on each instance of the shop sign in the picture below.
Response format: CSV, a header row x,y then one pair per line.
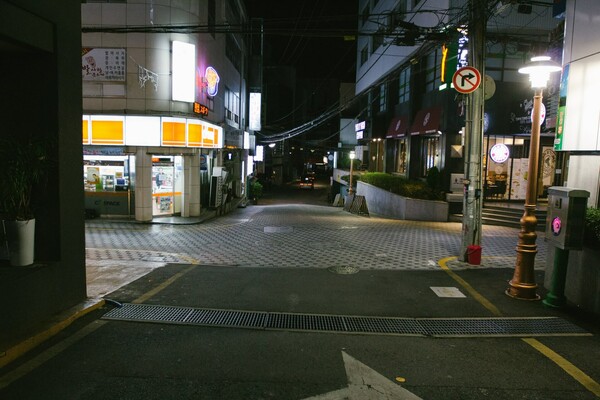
x,y
499,153
212,81
463,48
103,64
560,117
200,109
103,151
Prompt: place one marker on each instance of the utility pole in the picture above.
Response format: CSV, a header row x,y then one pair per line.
x,y
473,196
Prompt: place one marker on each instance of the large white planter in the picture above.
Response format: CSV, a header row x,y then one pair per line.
x,y
21,236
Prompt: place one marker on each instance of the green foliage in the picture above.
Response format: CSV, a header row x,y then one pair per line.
x,y
592,226
25,165
344,163
401,186
256,190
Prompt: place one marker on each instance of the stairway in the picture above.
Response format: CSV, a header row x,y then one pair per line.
x,y
510,216
503,214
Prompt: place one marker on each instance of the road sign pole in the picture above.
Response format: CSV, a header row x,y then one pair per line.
x,y
473,196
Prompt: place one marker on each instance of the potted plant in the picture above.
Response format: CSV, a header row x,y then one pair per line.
x,y
24,162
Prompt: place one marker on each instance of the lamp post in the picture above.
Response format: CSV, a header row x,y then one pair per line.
x,y
522,286
376,158
352,156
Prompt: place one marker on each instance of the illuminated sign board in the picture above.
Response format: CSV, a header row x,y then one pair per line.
x,y
260,151
499,153
463,48
255,110
212,81
200,109
184,72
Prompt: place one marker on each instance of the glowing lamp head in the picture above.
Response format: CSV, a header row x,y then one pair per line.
x,y
539,70
352,155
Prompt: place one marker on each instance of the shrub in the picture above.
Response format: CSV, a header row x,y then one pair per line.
x,y
401,186
256,190
434,178
592,226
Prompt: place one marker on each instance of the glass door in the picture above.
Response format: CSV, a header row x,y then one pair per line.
x,y
163,190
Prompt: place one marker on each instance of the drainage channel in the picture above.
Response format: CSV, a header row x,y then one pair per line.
x,y
435,327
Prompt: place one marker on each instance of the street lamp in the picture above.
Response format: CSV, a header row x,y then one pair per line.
x,y
352,156
376,159
522,286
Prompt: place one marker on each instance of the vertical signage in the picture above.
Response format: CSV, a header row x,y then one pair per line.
x,y
560,115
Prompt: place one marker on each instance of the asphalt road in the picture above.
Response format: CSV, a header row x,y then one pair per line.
x,y
294,254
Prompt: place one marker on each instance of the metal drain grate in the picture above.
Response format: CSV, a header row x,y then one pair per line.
x,y
438,327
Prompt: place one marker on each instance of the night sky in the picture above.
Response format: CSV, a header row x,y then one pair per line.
x,y
309,34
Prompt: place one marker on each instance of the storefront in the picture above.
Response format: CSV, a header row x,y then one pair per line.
x,y
397,145
506,164
426,142
507,132
165,154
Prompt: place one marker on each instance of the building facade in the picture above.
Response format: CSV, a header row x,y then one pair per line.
x,y
407,54
164,106
40,47
578,133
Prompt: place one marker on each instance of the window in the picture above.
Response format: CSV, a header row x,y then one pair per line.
x,y
377,41
364,54
364,15
382,98
233,52
404,85
433,70
430,156
232,107
212,16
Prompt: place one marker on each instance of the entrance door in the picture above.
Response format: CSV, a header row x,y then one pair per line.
x,y
163,190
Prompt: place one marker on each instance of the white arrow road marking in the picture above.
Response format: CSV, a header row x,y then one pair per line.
x,y
364,383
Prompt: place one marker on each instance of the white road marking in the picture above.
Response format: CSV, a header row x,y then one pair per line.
x,y
364,383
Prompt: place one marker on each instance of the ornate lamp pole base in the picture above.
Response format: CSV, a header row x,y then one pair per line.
x,y
522,286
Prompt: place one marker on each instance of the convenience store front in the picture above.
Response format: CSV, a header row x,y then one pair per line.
x,y
145,166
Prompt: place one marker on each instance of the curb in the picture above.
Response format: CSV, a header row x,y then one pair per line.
x,y
61,322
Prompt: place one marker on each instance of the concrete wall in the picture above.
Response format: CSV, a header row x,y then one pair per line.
x,y
41,48
385,204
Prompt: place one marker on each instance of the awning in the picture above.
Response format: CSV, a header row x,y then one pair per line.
x,y
398,127
426,121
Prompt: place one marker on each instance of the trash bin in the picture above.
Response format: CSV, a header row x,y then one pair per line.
x,y
474,254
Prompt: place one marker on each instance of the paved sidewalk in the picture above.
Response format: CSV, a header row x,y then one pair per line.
x,y
285,236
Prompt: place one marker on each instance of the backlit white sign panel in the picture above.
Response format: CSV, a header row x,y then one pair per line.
x,y
184,72
254,123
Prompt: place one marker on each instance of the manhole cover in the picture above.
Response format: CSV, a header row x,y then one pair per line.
x,y
344,269
278,229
